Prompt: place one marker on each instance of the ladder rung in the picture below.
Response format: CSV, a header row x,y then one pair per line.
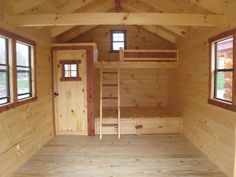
x,y
109,72
110,98
110,85
109,125
110,109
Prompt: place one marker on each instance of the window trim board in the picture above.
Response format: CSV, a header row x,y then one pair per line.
x,y
111,40
64,62
13,38
212,75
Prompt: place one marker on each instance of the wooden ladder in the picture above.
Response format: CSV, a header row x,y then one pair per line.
x,y
102,85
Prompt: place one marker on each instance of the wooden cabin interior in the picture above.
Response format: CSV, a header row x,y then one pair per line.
x,y
117,88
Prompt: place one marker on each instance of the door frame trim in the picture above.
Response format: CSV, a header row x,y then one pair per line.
x,y
90,91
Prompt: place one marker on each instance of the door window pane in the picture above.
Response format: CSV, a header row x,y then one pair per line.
x,y
70,70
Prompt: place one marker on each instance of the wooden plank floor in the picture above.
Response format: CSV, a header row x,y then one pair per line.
x,y
131,156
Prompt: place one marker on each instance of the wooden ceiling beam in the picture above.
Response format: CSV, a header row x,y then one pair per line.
x,y
133,8
104,6
215,6
111,18
24,5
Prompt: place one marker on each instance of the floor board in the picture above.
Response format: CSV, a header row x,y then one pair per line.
x,y
131,156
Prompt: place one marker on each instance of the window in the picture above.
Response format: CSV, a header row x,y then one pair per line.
x,y
17,70
223,68
4,72
70,70
24,72
118,40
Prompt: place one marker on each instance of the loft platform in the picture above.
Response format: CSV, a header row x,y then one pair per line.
x,y
144,59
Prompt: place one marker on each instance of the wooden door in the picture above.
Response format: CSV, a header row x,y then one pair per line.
x,y
70,87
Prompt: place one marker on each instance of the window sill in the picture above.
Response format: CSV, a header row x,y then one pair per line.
x,y
25,101
222,104
6,107
114,51
70,79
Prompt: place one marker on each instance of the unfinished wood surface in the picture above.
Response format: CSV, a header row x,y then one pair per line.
x,y
82,6
148,55
210,128
137,38
136,156
143,112
71,102
25,129
141,125
119,18
139,88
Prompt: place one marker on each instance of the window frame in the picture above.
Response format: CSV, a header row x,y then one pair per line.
x,y
69,62
111,40
12,40
7,65
30,67
213,71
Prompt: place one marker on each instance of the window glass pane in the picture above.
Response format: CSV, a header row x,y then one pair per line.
x,y
224,54
224,86
67,74
23,82
73,73
22,54
118,45
66,67
23,96
23,69
73,67
3,85
3,67
118,37
3,101
3,50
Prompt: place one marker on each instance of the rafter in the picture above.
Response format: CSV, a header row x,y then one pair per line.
x,y
71,7
176,30
24,5
78,31
103,6
215,6
159,32
111,18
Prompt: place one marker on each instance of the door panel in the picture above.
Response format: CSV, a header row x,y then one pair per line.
x,y
70,96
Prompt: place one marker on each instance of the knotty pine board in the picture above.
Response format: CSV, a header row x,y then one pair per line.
x,y
28,127
210,128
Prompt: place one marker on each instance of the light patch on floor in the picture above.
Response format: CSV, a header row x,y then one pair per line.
x,y
131,156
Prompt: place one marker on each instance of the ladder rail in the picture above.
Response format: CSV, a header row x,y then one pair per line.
x,y
118,78
101,101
